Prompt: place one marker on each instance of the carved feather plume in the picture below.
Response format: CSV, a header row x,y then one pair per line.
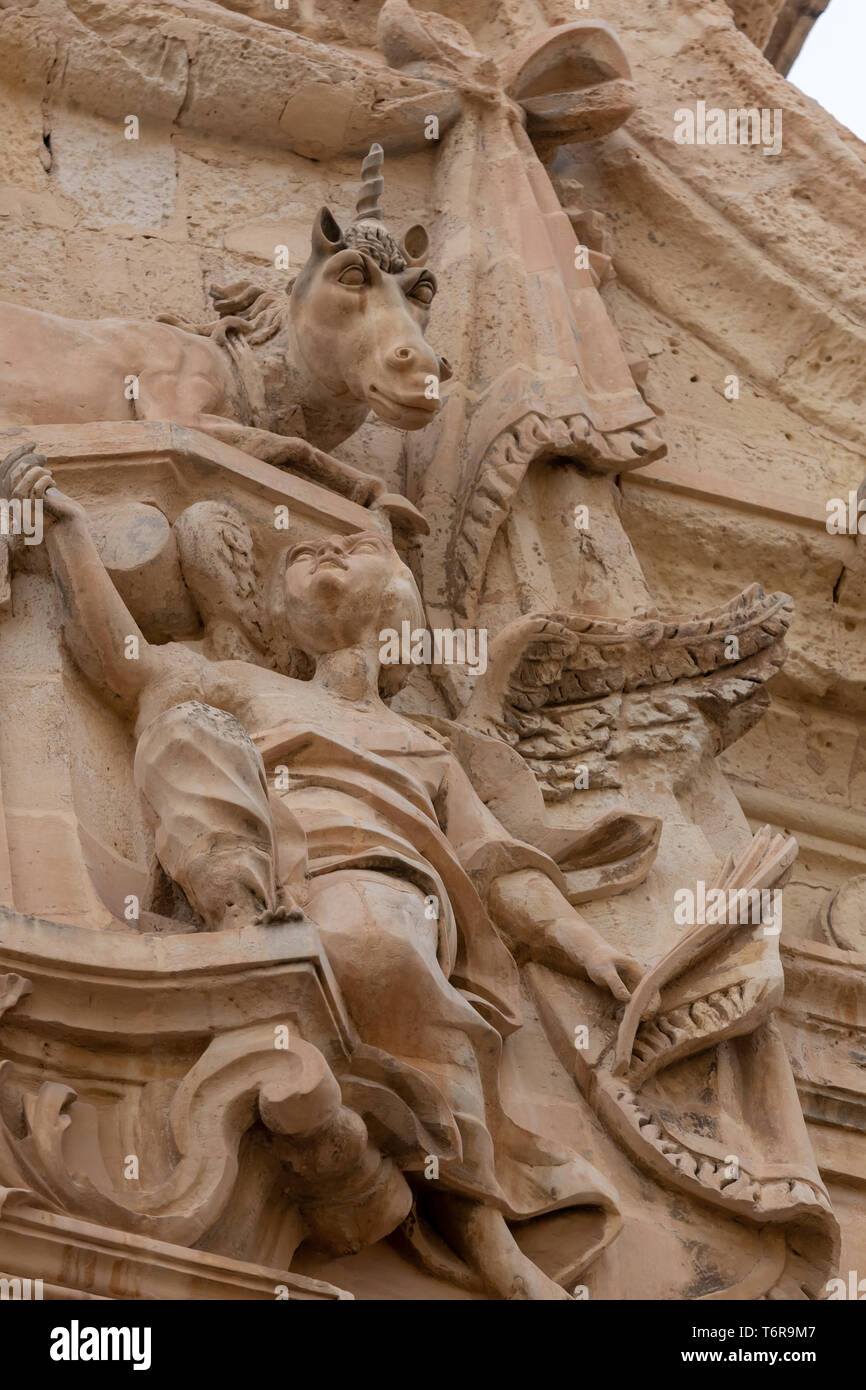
x,y
564,689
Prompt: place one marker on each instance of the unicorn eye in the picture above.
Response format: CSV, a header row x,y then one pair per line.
x,y
423,292
353,276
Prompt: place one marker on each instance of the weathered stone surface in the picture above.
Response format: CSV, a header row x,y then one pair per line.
x,y
373,719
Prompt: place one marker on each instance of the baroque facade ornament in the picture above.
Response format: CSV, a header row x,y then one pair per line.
x,y
376,908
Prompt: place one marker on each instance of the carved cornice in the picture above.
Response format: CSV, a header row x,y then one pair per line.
x,y
64,1251
206,68
174,986
823,1021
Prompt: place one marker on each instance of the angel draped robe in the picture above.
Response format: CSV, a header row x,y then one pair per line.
x,y
393,854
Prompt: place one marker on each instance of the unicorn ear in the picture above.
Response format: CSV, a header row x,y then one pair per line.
x,y
327,237
415,245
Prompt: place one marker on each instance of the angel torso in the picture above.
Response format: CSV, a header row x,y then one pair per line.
x,y
269,705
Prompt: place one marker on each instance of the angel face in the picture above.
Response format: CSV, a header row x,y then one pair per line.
x,y
338,590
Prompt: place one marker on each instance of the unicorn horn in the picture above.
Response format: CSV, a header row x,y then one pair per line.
x,y
372,185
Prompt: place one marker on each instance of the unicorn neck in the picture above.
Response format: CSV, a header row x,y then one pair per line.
x,y
297,402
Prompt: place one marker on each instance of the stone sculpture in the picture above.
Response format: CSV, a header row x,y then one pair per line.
x,y
361,960
348,814
283,376
380,819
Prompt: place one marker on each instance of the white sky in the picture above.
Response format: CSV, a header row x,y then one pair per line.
x,y
831,66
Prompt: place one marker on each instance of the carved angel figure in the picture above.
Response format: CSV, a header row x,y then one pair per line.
x,y
272,795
